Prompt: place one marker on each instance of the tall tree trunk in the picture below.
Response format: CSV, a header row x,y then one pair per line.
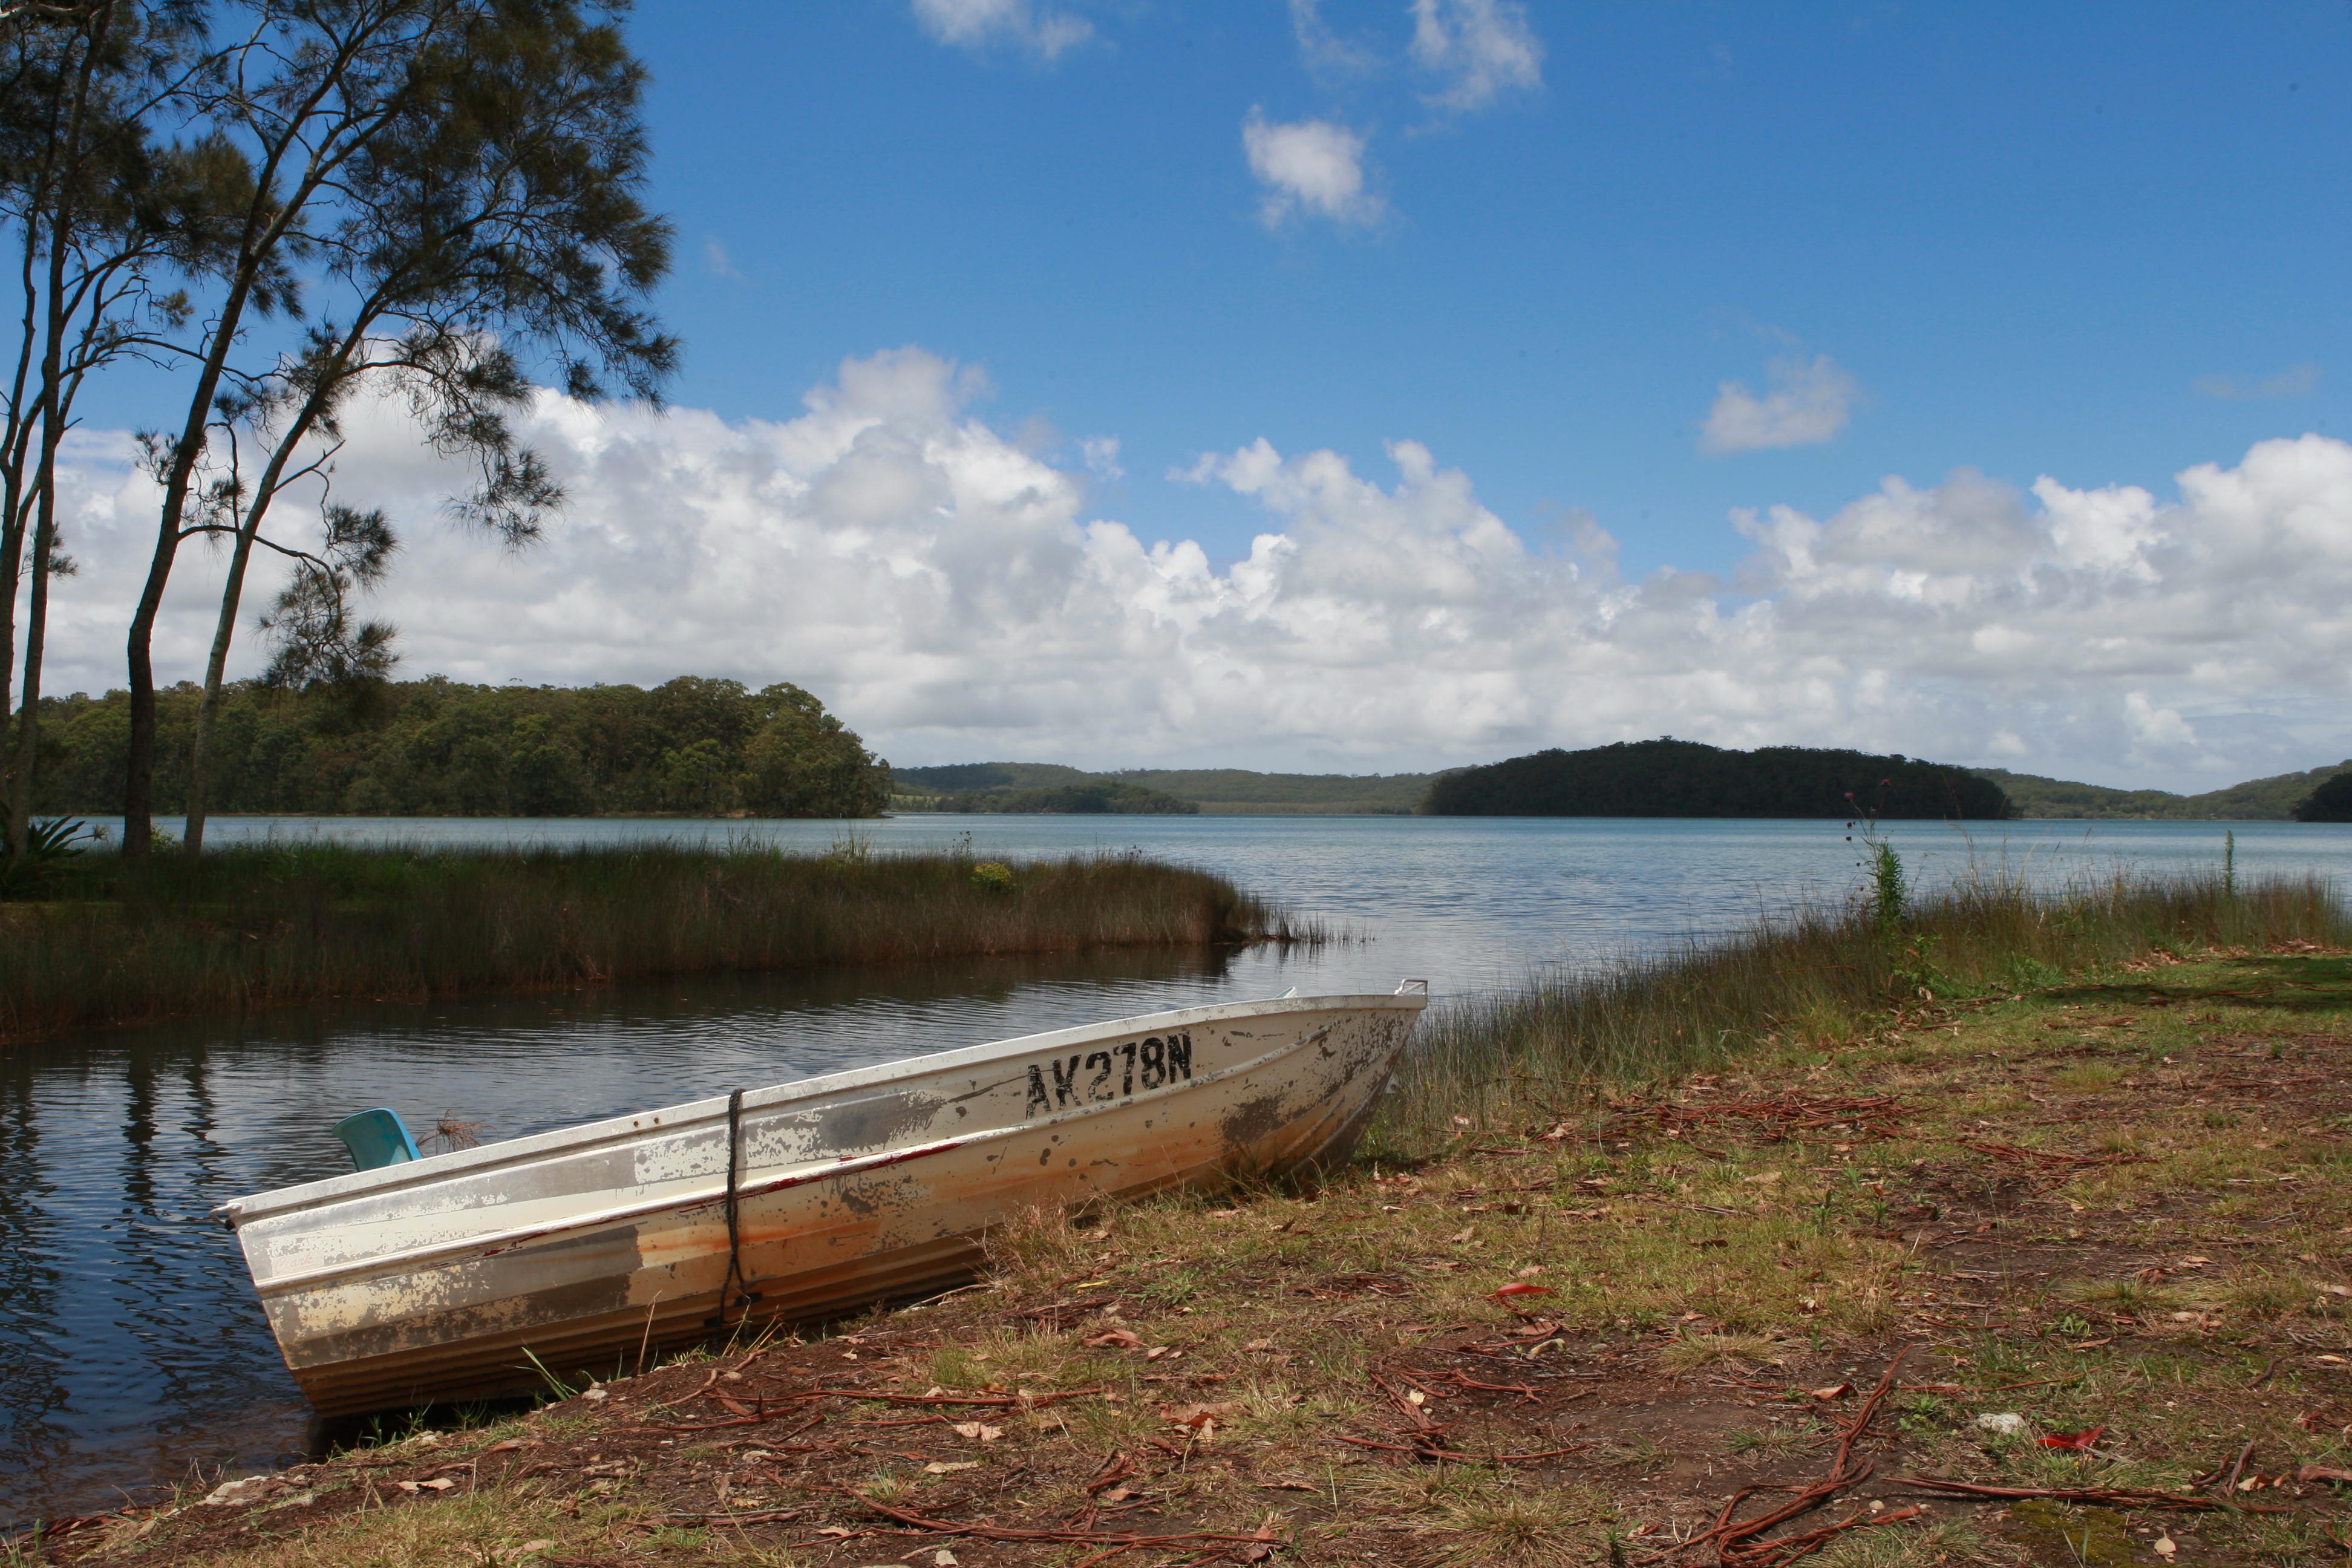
x,y
265,490
26,772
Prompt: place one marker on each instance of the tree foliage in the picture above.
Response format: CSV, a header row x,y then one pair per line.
x,y
2331,802
440,748
1685,778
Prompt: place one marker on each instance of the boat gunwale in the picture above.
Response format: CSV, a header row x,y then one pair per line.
x,y
685,1115
490,1243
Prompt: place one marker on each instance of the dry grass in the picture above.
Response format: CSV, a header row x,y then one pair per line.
x,y
1816,981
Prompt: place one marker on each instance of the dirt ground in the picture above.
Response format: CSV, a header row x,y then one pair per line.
x,y
2088,1243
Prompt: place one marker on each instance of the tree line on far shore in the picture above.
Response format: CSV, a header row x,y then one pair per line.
x,y
436,747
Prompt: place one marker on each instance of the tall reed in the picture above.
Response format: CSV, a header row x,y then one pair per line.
x,y
1816,977
253,926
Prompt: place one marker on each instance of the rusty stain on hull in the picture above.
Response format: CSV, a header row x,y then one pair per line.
x,y
431,1280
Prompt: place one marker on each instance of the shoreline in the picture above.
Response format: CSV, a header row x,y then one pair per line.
x,y
2082,1198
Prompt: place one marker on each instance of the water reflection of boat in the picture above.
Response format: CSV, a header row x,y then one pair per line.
x,y
448,1277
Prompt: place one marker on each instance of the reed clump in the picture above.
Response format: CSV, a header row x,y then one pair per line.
x,y
1816,979
254,927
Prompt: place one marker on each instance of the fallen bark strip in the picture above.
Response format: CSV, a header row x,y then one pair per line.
x,y
1116,1542
2129,1497
785,1403
1000,1401
2053,1157
1736,1543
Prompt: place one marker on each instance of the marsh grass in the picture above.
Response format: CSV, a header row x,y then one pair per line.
x,y
259,926
1815,981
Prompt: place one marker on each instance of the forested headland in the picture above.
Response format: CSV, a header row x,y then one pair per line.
x,y
2279,798
1685,778
690,747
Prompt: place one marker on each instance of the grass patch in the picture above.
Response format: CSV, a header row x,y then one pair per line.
x,y
1806,989
257,926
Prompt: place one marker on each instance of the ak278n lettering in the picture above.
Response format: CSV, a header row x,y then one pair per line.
x,y
1085,1077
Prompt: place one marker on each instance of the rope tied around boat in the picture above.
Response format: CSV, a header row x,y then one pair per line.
x,y
744,1294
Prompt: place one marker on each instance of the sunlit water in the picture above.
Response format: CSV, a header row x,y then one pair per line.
x,y
133,1352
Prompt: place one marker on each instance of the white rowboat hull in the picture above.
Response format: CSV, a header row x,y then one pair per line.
x,y
432,1279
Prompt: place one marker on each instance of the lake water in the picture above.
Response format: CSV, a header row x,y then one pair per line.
x,y
133,1352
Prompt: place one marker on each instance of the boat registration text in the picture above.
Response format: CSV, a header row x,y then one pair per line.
x,y
1082,1077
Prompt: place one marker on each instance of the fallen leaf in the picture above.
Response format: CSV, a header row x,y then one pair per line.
x,y
1521,1287
836,1530
1417,1396
2249,1484
1119,1494
1124,1339
2092,1344
980,1430
1835,1390
1763,1176
2078,1441
1199,1415
1156,1351
2322,1473
2164,1546
1532,1271
949,1467
1259,1345
1465,1234
943,1558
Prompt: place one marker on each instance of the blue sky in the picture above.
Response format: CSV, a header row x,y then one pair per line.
x,y
1332,384
2027,233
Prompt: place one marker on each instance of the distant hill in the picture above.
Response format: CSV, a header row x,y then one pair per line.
x,y
2257,800
1087,797
1224,792
1685,778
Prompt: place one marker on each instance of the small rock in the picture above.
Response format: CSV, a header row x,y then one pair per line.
x,y
2008,1422
237,1493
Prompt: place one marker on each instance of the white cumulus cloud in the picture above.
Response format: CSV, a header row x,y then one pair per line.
x,y
1309,165
1043,30
948,592
1809,401
1478,49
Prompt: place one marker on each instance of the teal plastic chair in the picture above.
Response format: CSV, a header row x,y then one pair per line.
x,y
376,1137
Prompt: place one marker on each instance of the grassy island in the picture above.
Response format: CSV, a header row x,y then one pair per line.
x,y
252,927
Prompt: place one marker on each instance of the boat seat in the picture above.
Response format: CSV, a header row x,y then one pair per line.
x,y
376,1137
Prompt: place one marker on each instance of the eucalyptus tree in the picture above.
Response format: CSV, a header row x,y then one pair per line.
x,y
462,181
103,217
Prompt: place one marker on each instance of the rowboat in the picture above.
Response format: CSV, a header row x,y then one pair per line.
x,y
465,1274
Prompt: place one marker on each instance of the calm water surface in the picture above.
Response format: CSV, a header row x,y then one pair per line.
x,y
132,1350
